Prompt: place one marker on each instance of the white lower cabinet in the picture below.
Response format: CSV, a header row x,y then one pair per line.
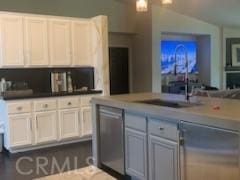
x,y
32,124
163,158
151,148
86,121
69,123
45,127
20,130
136,153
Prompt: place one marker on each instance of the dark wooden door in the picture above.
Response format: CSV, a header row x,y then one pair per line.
x,y
119,70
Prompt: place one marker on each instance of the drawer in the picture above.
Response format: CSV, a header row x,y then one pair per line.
x,y
68,103
21,107
47,105
163,129
136,122
85,100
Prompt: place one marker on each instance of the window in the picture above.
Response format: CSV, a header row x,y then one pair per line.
x,y
167,56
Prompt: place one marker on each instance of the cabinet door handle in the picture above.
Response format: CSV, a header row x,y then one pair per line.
x,y
36,122
181,153
19,108
69,103
46,106
31,123
161,128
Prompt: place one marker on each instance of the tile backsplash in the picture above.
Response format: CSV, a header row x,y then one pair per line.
x,y
39,79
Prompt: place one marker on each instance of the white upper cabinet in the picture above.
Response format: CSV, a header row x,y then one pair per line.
x,y
36,41
81,43
48,41
60,42
12,40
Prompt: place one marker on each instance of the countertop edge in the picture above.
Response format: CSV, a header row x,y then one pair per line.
x,y
49,95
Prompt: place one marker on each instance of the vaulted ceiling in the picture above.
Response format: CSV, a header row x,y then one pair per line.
x,y
219,12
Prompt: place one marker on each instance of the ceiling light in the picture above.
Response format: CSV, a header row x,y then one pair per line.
x,y
167,1
142,5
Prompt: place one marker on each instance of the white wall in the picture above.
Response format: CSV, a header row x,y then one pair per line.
x,y
142,53
118,12
178,36
164,20
123,18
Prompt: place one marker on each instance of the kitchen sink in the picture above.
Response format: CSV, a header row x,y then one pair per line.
x,y
168,103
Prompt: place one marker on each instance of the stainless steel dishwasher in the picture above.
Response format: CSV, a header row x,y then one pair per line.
x,y
208,153
111,138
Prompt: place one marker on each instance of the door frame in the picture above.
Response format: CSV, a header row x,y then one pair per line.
x,y
124,40
129,47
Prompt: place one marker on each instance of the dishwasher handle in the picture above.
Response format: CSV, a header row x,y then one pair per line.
x,y
110,114
181,150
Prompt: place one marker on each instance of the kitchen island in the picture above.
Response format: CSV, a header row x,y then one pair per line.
x,y
193,142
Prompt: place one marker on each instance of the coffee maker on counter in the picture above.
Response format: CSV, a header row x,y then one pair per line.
x,y
61,82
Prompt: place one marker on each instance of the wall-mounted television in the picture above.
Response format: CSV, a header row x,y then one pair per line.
x,y
168,48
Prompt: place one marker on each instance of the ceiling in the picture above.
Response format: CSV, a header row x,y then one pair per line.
x,y
225,13
218,12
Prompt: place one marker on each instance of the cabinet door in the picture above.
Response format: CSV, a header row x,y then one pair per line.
x,y
60,42
81,43
69,124
36,41
12,41
20,130
46,127
136,153
163,159
86,121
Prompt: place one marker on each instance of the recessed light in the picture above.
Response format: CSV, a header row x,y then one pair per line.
x,y
167,1
142,5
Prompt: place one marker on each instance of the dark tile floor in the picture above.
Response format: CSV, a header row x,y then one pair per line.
x,y
44,162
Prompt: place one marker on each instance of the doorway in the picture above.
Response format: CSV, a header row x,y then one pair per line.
x,y
119,70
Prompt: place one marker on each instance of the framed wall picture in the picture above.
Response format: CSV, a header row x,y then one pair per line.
x,y
236,55
233,53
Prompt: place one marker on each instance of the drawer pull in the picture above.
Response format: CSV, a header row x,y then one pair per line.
x,y
46,106
69,103
161,128
19,108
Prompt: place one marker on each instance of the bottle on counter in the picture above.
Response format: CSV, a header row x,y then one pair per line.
x,y
69,82
3,87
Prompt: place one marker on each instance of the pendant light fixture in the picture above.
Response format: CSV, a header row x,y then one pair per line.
x,y
142,5
167,2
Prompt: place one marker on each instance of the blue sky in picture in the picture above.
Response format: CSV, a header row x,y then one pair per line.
x,y
167,56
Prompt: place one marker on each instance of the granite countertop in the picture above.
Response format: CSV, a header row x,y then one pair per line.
x,y
228,116
50,94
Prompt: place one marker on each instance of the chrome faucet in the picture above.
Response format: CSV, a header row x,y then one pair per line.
x,y
186,78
